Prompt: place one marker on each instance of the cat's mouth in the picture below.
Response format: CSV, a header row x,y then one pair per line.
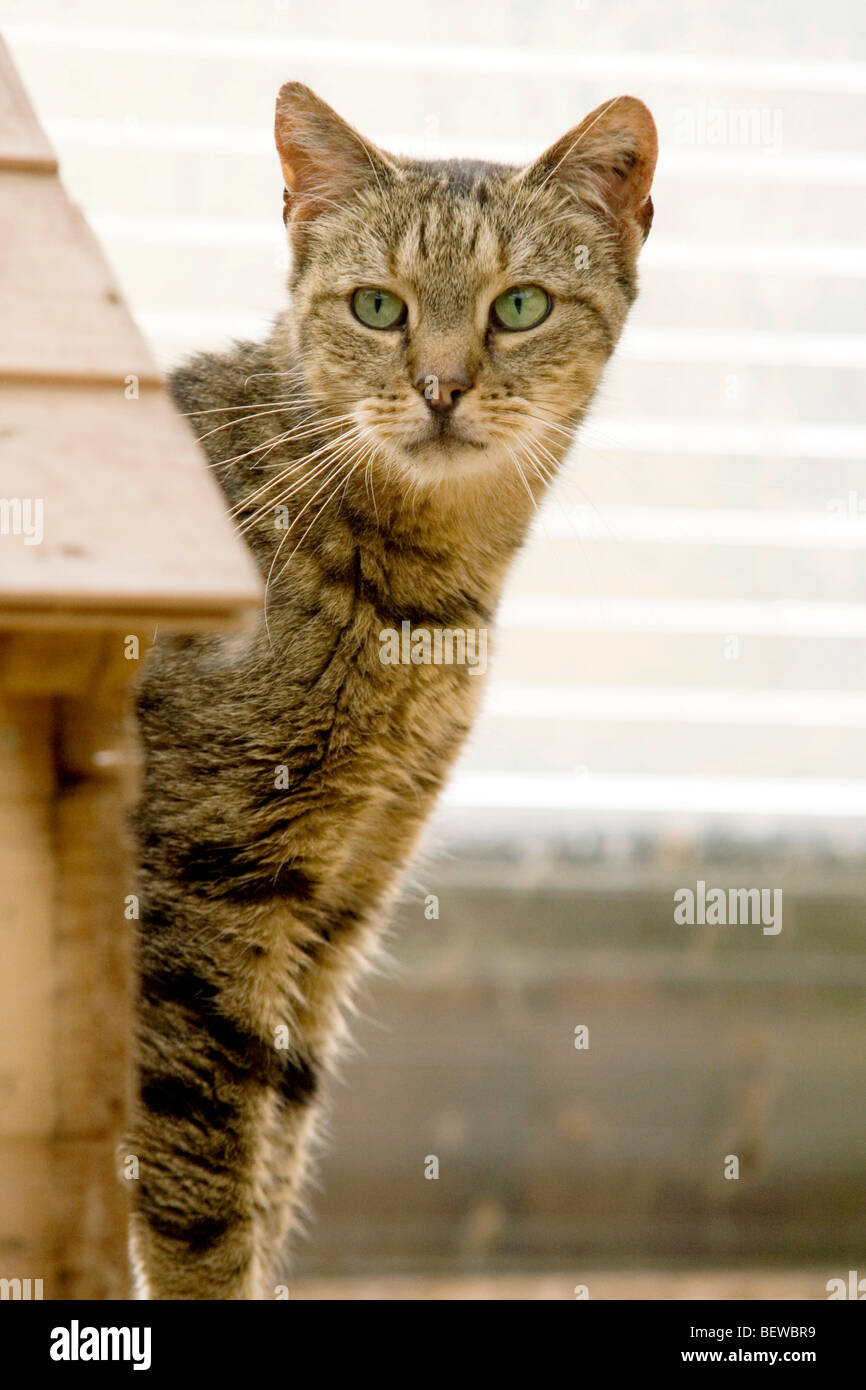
x,y
442,436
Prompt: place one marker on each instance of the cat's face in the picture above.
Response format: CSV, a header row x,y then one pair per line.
x,y
457,317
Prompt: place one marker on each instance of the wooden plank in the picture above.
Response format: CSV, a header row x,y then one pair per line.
x,y
94,970
27,1046
62,313
23,144
89,1222
171,613
48,663
26,1235
135,527
132,522
65,943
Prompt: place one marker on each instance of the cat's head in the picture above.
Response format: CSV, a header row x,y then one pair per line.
x,y
459,315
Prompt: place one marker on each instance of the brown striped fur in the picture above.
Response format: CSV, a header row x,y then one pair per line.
x,y
261,903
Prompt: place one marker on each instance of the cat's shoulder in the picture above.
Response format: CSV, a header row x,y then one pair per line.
x,y
214,380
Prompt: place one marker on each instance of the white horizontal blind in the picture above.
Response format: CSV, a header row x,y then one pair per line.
x,y
684,641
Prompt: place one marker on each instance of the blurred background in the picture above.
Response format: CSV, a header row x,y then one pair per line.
x,y
679,684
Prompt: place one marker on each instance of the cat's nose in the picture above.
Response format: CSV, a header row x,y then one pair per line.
x,y
442,396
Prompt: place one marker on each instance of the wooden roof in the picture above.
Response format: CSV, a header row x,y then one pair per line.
x,y
133,526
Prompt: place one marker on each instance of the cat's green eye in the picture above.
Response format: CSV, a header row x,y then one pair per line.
x,y
523,306
378,308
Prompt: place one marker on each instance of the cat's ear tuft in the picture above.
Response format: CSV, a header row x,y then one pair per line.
x,y
323,159
608,161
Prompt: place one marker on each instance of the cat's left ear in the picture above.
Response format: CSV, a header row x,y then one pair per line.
x,y
323,159
608,161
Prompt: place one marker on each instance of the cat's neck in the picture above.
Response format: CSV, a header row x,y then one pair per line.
x,y
444,552
457,530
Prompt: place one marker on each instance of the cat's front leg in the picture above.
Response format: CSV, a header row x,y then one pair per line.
x,y
218,1064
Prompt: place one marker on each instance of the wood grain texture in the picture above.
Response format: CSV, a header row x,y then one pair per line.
x,y
92,1001
134,535
26,1216
62,312
26,920
23,144
133,524
64,944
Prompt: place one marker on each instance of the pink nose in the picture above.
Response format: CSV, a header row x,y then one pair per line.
x,y
442,396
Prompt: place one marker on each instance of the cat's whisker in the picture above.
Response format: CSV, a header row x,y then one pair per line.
x,y
314,429
244,419
526,410
541,470
269,444
301,467
542,459
290,402
241,420
567,435
296,487
295,372
579,138
349,464
286,436
522,475
573,417
553,464
309,475
266,445
369,485
294,466
275,444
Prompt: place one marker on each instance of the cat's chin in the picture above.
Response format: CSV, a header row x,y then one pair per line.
x,y
448,458
446,453
443,442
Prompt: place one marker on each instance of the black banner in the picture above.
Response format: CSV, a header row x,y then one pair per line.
x,y
81,1340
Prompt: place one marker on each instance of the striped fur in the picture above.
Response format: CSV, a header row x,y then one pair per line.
x,y
261,902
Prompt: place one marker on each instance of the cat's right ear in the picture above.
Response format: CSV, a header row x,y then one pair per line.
x,y
323,159
607,161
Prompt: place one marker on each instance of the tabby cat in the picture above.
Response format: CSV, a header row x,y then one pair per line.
x,y
383,453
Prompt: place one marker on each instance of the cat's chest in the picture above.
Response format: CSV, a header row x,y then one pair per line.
x,y
385,662
405,695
